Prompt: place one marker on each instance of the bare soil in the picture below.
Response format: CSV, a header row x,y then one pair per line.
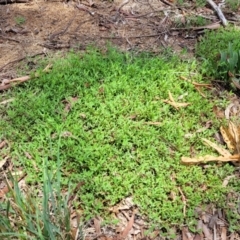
x,y
44,27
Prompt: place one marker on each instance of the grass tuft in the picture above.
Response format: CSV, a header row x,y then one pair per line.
x,y
36,214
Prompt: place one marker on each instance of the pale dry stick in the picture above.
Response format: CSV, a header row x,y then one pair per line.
x,y
7,101
15,81
153,123
214,232
219,12
215,25
184,201
8,83
20,79
198,85
206,85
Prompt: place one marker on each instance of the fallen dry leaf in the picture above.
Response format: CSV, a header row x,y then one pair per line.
x,y
3,191
173,103
47,68
219,138
69,103
153,235
133,116
206,231
172,195
213,221
209,158
28,155
198,237
218,112
153,123
223,233
171,97
200,223
231,136
74,233
235,132
97,225
82,115
228,110
192,151
3,162
176,105
3,144
228,138
9,184
198,86
220,150
186,235
207,126
199,90
206,85
128,228
226,180
199,229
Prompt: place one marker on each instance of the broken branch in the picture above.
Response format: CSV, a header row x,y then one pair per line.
x,y
219,12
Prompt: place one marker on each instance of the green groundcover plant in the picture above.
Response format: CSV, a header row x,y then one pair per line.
x,y
118,135
212,48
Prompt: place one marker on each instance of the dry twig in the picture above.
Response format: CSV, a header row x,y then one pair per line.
x,y
219,12
10,83
215,25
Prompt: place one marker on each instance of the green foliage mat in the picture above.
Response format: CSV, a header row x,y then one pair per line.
x,y
212,43
93,111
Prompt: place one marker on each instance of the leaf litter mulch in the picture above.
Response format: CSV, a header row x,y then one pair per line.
x,y
33,28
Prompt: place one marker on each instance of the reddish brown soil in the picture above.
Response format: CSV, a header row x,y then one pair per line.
x,y
40,26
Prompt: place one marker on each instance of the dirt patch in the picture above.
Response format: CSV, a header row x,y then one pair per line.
x,y
44,27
